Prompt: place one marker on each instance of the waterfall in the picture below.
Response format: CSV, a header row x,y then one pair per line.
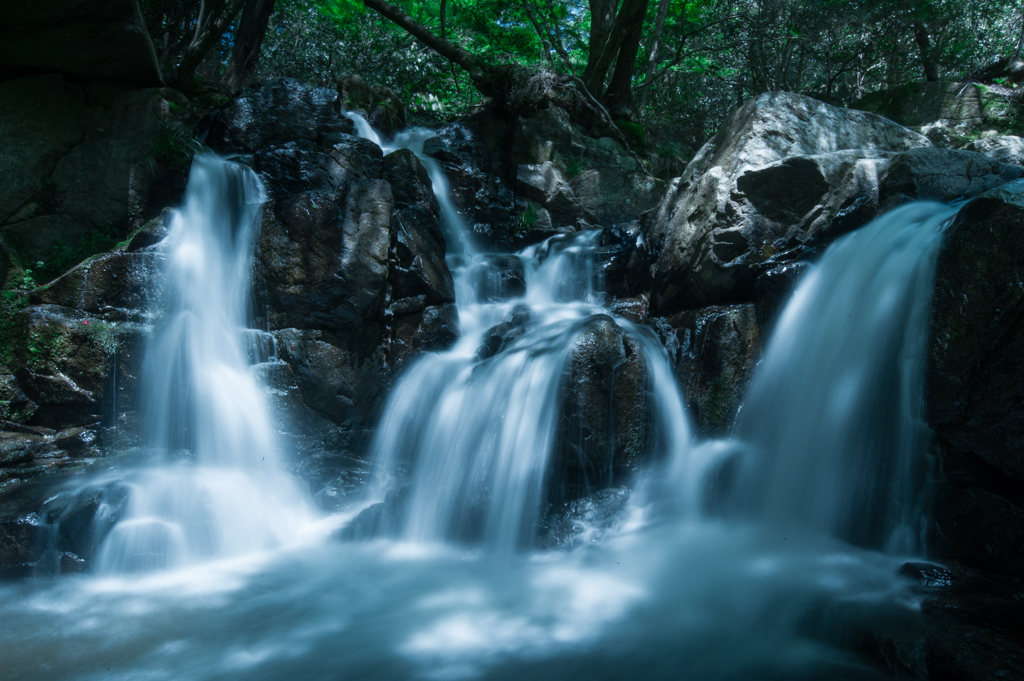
x,y
217,487
475,430
834,418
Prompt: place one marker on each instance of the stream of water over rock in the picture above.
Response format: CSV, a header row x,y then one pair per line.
x,y
220,568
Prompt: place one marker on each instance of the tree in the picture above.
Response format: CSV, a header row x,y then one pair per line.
x,y
252,25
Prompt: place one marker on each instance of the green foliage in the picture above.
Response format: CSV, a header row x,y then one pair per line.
x,y
172,148
64,255
527,219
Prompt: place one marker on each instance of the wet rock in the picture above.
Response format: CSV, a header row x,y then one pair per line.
x,y
604,424
438,330
116,286
67,362
324,256
380,106
417,329
384,519
19,549
633,309
419,267
942,175
725,217
772,291
582,521
714,351
976,352
1002,148
410,183
344,380
275,113
480,182
502,335
90,40
501,277
80,521
624,260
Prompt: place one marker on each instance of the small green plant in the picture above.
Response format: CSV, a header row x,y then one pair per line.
x,y
173,147
527,219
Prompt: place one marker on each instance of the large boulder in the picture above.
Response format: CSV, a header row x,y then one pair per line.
x,y
275,113
1002,148
604,430
975,382
714,350
783,170
83,39
323,249
976,357
84,164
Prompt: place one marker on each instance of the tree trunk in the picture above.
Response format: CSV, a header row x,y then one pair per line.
x,y
602,17
630,18
652,54
248,39
213,21
620,89
931,69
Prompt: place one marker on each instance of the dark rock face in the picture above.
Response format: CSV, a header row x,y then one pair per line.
x,y
772,291
479,178
784,172
624,261
350,257
606,414
92,40
714,350
975,389
976,357
420,269
80,159
942,175
276,113
324,255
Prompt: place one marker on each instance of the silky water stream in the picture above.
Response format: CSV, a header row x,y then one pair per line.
x,y
219,567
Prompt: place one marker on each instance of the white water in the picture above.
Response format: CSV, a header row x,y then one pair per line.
x,y
216,488
660,593
835,414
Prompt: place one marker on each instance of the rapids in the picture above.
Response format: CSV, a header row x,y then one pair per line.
x,y
220,567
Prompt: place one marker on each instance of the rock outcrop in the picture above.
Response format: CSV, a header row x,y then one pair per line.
x,y
605,422
976,382
783,172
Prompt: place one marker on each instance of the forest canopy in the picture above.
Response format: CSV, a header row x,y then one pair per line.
x,y
675,65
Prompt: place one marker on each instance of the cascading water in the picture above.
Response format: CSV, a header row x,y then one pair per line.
x,y
468,434
835,414
218,488
476,429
